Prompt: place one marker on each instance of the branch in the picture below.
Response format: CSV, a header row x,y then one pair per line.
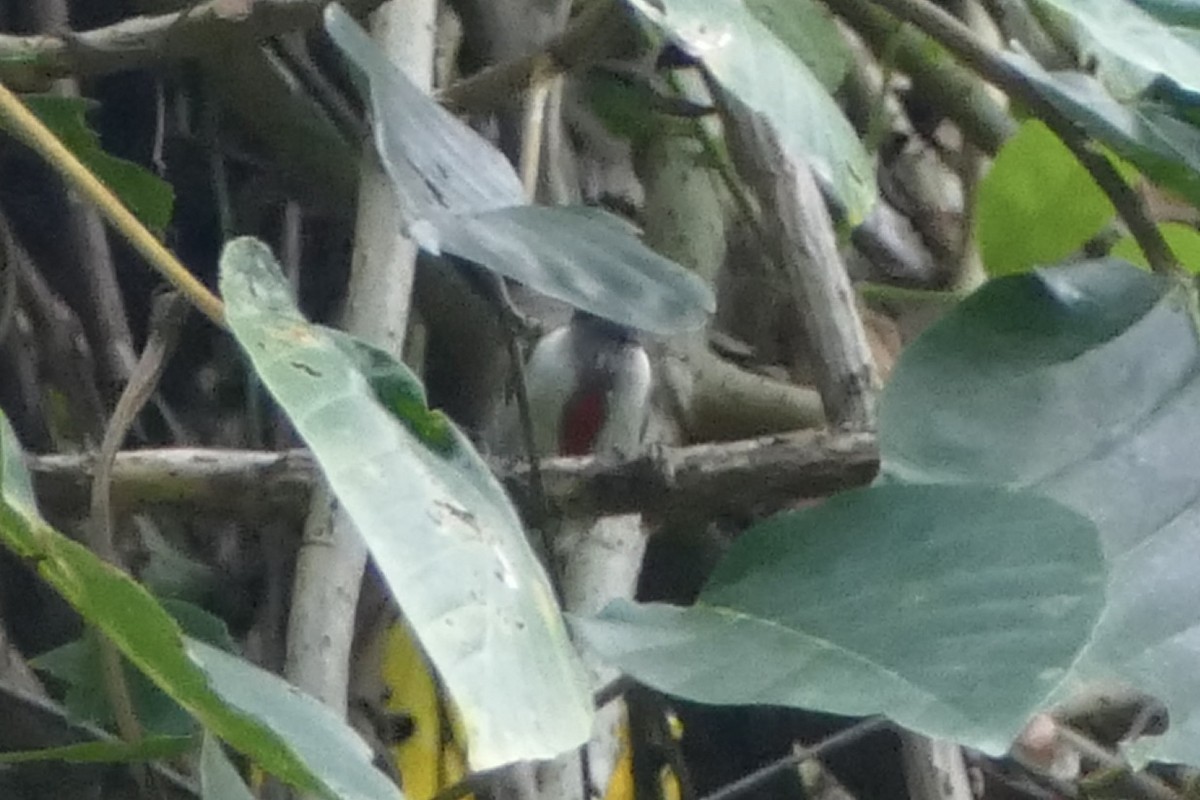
x,y
959,40
744,786
754,474
956,91
145,40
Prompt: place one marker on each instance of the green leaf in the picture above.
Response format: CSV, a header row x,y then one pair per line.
x,y
1082,384
290,734
149,197
1132,49
809,31
1162,147
588,258
219,779
953,610
458,194
440,528
78,664
1173,12
1183,240
1037,204
108,751
758,71
634,107
436,162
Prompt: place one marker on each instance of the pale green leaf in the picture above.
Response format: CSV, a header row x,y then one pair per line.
x,y
442,532
955,611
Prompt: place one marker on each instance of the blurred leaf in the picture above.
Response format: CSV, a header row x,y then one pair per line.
x,y
288,733
108,751
437,163
459,194
1131,48
809,31
1081,383
1183,240
440,528
1162,147
589,258
1173,12
78,664
633,107
1037,204
953,610
773,85
219,779
149,197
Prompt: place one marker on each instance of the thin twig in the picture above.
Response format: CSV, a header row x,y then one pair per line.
x,y
167,315
755,779
8,280
963,43
612,690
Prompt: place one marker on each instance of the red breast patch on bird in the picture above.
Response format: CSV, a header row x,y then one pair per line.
x,y
581,422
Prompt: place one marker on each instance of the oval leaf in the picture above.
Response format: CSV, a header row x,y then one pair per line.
x,y
1034,179
953,610
1083,384
440,528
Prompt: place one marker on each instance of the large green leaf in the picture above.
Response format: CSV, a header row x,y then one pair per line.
x,y
1144,132
458,194
288,733
440,528
149,197
1081,383
953,610
1033,181
758,71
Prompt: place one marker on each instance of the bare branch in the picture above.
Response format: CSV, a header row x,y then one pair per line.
x,y
145,40
754,474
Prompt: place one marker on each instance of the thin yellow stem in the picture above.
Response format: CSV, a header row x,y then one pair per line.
x,y
79,177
